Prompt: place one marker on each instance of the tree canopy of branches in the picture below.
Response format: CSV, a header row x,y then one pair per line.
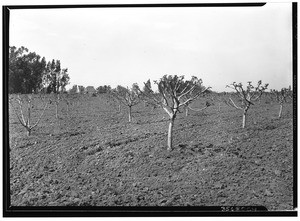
x,y
247,96
174,93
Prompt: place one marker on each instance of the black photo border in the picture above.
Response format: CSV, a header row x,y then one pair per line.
x,y
14,211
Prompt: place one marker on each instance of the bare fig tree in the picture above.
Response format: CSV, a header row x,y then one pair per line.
x,y
113,100
219,99
174,93
129,97
67,100
282,97
247,96
56,100
28,102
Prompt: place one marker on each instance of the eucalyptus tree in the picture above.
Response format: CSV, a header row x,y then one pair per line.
x,y
56,79
247,96
173,93
26,70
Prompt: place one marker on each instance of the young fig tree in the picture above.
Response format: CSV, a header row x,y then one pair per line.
x,y
282,97
174,93
220,98
128,96
56,99
25,118
247,96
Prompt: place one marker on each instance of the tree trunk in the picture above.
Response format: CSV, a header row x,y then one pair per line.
x,y
219,107
170,133
244,118
56,110
28,132
29,114
129,114
119,110
68,110
280,111
186,111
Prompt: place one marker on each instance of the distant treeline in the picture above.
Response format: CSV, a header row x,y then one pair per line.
x,y
30,73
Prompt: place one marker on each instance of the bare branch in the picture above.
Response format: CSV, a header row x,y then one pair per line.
x,y
193,98
170,113
177,85
193,109
234,105
187,92
258,96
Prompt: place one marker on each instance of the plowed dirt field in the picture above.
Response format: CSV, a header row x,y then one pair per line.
x,y
92,156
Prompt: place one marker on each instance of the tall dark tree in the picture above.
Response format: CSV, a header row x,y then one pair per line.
x,y
64,79
56,78
26,70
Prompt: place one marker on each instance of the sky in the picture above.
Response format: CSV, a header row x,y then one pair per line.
x,y
122,46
